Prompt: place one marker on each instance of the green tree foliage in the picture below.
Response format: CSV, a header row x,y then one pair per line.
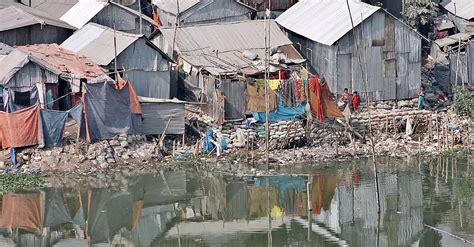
x,y
419,14
464,102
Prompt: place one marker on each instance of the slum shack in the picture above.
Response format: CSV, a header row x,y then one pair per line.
x,y
222,65
110,14
22,25
146,66
45,74
461,12
192,12
391,50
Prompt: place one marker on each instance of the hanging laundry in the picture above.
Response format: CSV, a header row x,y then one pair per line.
x,y
274,84
255,99
304,74
321,100
287,93
53,123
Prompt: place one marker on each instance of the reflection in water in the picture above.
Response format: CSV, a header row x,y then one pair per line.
x,y
191,209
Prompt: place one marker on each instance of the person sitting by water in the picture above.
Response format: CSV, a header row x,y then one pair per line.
x,y
355,101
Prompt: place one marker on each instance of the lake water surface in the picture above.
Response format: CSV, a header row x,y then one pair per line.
x,y
335,206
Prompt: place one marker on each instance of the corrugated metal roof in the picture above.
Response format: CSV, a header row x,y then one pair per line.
x,y
453,39
62,61
55,8
170,6
464,8
18,15
83,11
4,50
11,64
324,21
218,48
96,42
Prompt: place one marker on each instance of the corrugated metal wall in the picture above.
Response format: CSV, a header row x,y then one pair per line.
x,y
391,54
35,34
234,92
123,20
210,11
28,76
156,116
152,79
470,63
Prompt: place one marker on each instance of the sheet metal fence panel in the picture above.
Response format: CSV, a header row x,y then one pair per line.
x,y
156,116
234,92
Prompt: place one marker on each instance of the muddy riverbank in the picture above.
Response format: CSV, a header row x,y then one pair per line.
x,y
399,130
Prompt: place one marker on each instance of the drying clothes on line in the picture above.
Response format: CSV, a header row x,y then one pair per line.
x,y
286,93
20,128
298,87
321,100
273,84
255,98
304,74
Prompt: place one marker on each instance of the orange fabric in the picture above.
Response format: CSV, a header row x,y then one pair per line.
x,y
137,210
322,192
330,106
20,128
23,211
321,101
134,104
316,103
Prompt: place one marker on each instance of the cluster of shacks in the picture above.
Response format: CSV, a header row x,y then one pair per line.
x,y
53,53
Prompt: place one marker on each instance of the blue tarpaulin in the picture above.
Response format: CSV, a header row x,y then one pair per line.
x,y
52,123
207,145
282,113
108,112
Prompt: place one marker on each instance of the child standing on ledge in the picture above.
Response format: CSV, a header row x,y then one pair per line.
x,y
355,101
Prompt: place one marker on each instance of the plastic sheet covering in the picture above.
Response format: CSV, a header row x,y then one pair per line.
x,y
53,123
55,211
108,213
442,74
282,113
9,99
23,211
108,112
21,128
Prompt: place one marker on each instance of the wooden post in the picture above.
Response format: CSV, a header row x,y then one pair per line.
x,y
446,132
386,124
437,130
183,144
430,127
174,147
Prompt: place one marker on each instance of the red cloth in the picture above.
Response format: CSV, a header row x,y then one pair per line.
x,y
315,98
20,128
355,102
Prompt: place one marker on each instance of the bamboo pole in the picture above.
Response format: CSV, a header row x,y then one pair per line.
x,y
437,131
364,77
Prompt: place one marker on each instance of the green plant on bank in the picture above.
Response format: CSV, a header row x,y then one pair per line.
x,y
418,14
463,102
11,182
456,153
